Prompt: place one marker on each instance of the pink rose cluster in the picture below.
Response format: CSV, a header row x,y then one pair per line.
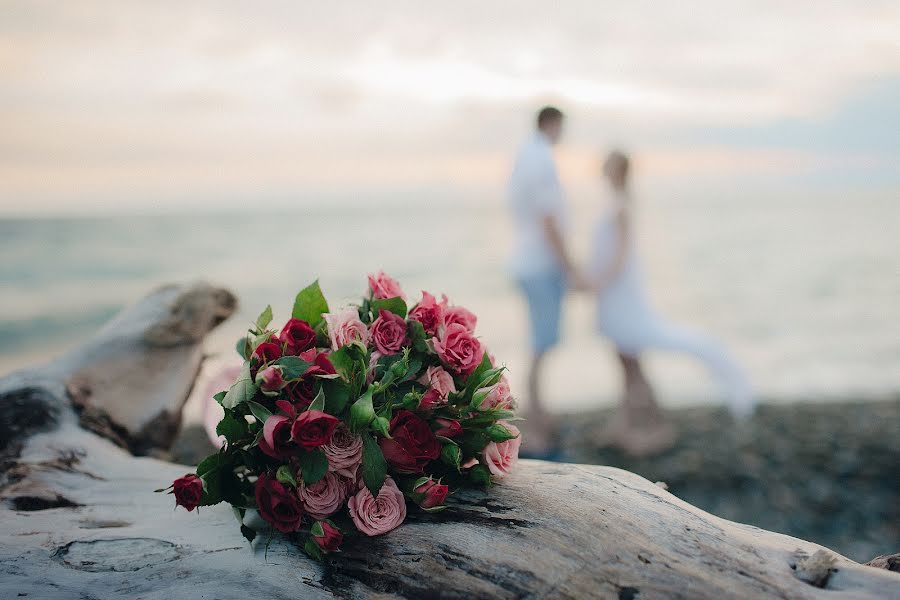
x,y
359,411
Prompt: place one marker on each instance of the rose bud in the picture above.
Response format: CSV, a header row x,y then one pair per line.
x,y
297,336
384,286
430,399
413,444
188,491
450,428
326,536
276,439
500,457
265,353
277,504
389,332
270,380
313,428
430,493
374,516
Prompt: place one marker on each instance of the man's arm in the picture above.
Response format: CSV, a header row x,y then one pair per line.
x,y
554,236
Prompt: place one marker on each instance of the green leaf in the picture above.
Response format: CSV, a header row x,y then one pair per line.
x,y
259,411
498,433
312,549
395,305
313,466
310,304
233,429
209,464
264,318
479,475
417,336
242,391
219,397
374,467
343,362
243,348
478,374
318,402
451,455
216,478
337,394
317,529
362,412
292,367
285,474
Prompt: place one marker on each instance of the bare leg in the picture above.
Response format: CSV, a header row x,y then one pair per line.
x,y
640,428
540,427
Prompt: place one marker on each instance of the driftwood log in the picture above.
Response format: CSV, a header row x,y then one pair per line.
x,y
79,518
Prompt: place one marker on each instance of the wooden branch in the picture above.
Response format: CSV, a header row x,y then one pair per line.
x,y
79,518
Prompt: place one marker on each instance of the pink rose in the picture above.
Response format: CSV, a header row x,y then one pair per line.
x,y
389,332
431,493
429,313
501,457
373,362
458,315
344,452
459,349
270,380
344,328
276,439
324,497
383,286
375,516
439,380
498,395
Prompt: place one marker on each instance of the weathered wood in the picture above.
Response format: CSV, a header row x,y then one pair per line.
x,y
79,518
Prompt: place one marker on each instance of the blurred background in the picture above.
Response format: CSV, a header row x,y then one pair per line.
x,y
260,146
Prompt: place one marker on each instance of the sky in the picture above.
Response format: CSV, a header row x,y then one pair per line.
x,y
165,106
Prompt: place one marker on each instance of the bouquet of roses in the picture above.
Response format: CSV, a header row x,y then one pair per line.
x,y
366,408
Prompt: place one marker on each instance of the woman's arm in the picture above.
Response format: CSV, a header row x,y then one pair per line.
x,y
623,229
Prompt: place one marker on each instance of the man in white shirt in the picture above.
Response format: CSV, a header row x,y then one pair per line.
x,y
540,262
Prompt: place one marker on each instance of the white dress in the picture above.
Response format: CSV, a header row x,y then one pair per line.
x,y
626,317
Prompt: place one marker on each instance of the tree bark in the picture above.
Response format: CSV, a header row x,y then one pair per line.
x,y
79,517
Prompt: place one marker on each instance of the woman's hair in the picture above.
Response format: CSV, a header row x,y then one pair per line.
x,y
616,164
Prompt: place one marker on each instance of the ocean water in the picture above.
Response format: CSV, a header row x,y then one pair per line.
x,y
804,291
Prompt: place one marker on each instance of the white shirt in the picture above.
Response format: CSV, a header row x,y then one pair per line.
x,y
535,192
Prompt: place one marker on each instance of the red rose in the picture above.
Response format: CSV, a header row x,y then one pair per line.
x,y
429,313
331,537
297,336
431,493
413,445
319,363
449,428
276,439
430,399
302,392
388,332
459,349
313,428
277,504
188,491
264,353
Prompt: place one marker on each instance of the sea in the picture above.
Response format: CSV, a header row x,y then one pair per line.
x,y
804,290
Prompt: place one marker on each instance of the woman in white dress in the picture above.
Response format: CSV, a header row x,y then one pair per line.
x,y
625,316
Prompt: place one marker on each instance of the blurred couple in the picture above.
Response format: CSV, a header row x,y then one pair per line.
x,y
544,270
